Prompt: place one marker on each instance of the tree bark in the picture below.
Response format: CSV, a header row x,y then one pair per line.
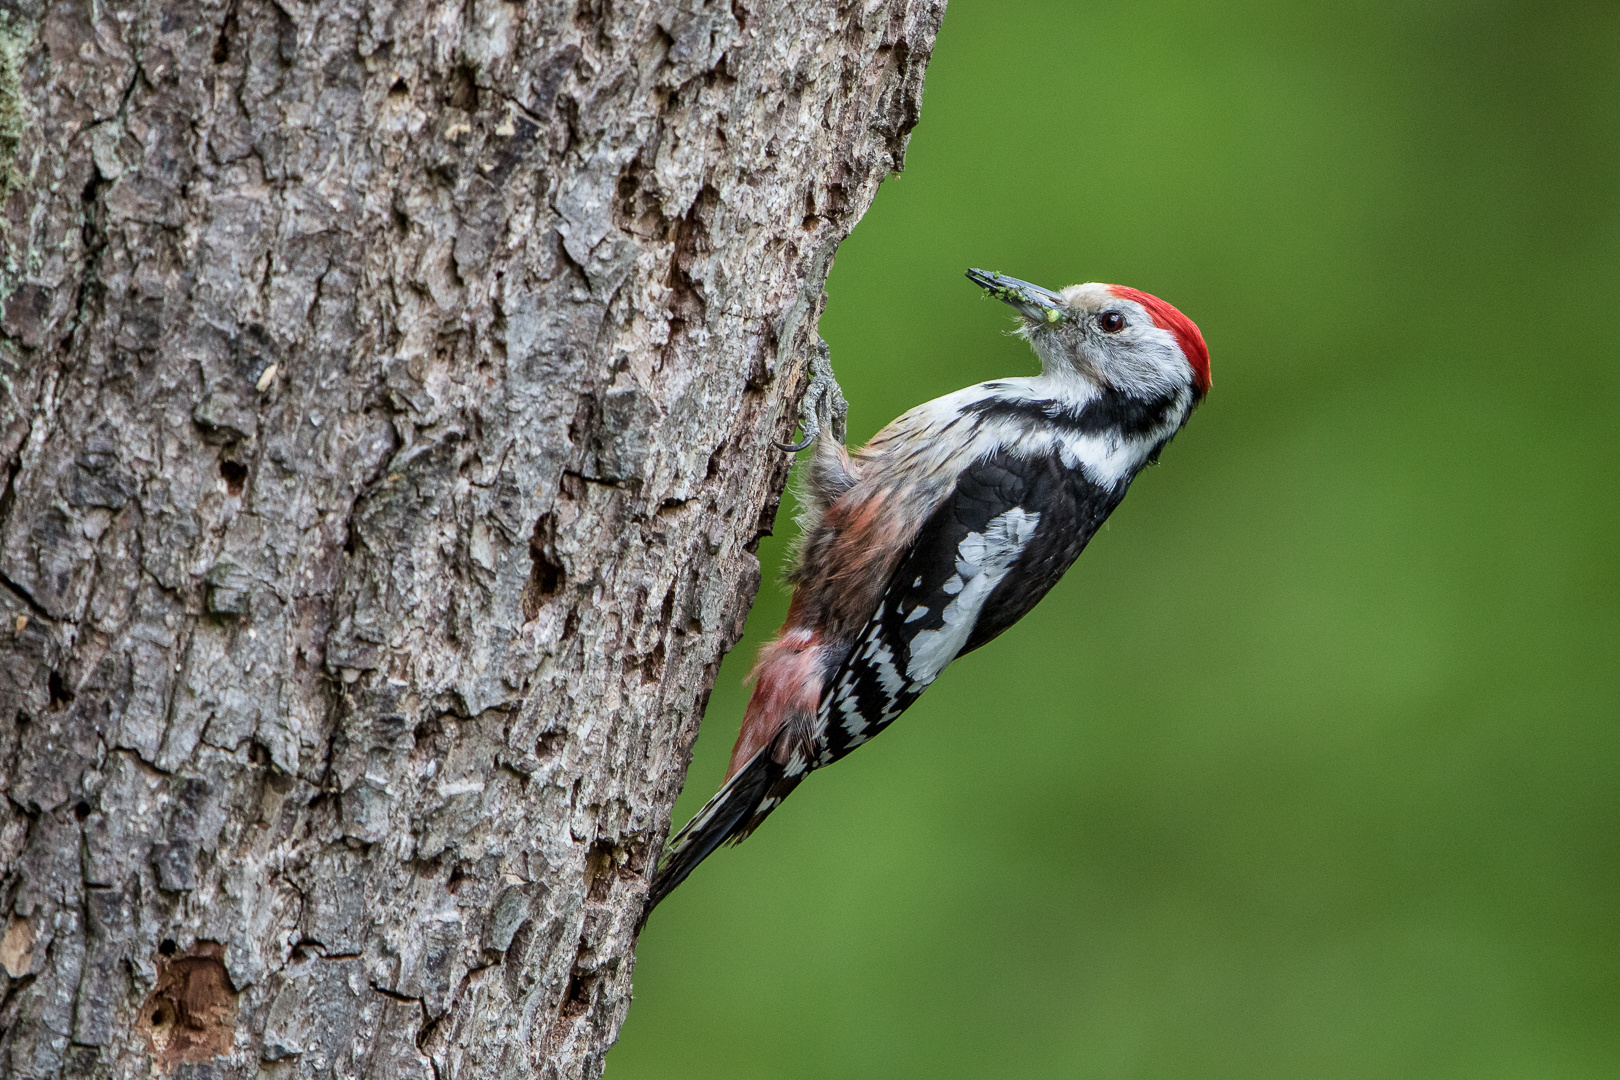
x,y
387,391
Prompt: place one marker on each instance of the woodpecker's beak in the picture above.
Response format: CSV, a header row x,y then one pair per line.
x,y
1033,302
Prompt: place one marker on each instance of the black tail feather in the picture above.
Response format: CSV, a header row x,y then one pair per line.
x,y
734,812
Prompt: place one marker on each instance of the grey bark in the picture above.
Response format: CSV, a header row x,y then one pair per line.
x,y
387,391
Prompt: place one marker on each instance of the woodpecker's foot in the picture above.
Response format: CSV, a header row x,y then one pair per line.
x,y
824,406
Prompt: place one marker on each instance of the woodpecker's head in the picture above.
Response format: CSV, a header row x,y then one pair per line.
x,y
1112,335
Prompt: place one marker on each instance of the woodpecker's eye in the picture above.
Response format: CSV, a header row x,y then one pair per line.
x,y
1111,322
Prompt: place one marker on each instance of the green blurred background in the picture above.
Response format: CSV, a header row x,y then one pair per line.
x,y
1308,769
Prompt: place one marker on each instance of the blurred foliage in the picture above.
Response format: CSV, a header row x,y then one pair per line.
x,y
1311,765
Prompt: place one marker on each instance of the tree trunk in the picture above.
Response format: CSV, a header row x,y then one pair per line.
x,y
386,402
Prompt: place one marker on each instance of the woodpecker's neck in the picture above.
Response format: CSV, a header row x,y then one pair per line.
x,y
1062,384
1104,434
1107,433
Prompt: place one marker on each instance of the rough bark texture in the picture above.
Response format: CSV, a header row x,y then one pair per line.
x,y
386,397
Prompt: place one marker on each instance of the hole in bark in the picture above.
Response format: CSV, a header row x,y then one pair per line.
x,y
581,988
81,809
222,47
714,461
61,696
286,37
22,720
234,474
546,574
426,731
306,949
190,1016
837,200
652,668
599,870
463,90
633,210
90,197
168,947
400,88
550,742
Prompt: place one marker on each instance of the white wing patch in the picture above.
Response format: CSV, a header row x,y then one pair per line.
x,y
982,560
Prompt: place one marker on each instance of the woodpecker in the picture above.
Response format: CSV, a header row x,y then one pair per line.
x,y
944,530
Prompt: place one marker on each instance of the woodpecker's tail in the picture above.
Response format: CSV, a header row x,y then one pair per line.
x,y
735,811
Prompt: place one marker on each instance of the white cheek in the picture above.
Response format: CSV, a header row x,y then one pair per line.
x,y
1148,365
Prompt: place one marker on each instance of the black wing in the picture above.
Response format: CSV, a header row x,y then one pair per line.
x,y
1076,509
1003,537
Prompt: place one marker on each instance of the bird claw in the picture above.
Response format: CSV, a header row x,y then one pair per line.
x,y
824,407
